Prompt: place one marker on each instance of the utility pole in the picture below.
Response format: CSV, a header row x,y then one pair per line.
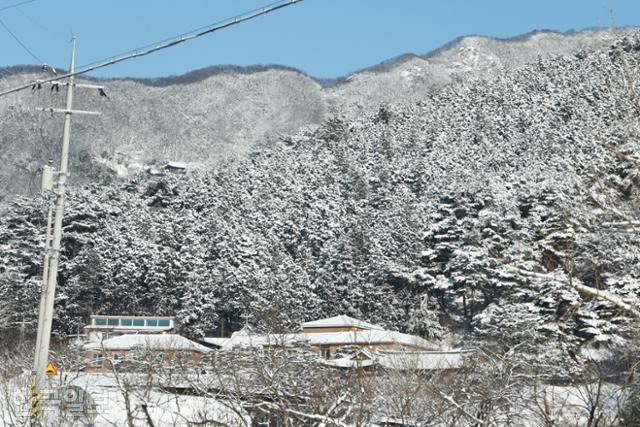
x,y
52,247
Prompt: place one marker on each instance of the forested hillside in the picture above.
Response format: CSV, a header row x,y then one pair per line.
x,y
472,211
147,125
208,115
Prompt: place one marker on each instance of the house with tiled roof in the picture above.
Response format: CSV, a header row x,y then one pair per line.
x,y
327,337
342,323
102,356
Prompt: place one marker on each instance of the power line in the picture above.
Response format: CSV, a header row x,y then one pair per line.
x,y
11,6
164,44
33,55
38,24
204,29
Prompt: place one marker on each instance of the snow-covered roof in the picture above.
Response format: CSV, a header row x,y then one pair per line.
x,y
405,360
248,340
215,341
342,321
176,165
169,342
348,362
365,337
368,337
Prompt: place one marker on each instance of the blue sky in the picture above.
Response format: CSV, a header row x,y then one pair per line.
x,y
325,38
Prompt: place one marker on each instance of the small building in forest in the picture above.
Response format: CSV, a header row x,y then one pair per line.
x,y
326,337
121,350
342,323
176,166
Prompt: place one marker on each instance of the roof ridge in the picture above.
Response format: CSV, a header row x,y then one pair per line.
x,y
340,320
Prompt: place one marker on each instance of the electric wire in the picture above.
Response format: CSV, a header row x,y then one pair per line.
x,y
33,55
162,45
44,28
11,6
15,37
204,29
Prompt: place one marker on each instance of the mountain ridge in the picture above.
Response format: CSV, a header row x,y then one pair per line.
x,y
223,111
212,70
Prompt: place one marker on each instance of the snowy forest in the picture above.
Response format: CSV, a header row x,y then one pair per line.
x,y
475,213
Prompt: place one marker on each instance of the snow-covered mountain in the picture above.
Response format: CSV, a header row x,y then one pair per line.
x,y
214,113
144,124
411,76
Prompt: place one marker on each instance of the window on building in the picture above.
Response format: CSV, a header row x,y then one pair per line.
x,y
108,335
138,322
96,360
100,321
152,322
164,322
325,352
126,322
113,322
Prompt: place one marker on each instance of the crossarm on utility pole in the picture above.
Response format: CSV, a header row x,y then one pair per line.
x,y
59,83
65,111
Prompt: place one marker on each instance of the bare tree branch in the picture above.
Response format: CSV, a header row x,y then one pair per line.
x,y
600,294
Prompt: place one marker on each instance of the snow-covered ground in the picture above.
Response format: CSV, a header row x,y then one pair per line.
x,y
109,401
112,403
